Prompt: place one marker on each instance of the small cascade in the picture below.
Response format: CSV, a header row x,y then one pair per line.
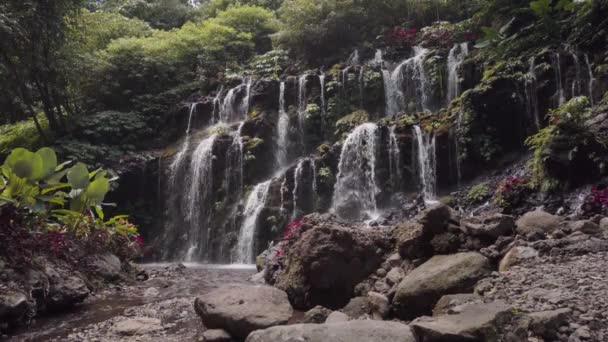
x,y
234,164
361,85
302,106
284,189
591,79
409,74
394,159
298,180
230,110
457,144
282,130
344,79
217,106
378,59
323,100
180,156
576,83
426,163
195,204
253,208
531,87
354,58
355,190
247,99
559,95
455,58
190,115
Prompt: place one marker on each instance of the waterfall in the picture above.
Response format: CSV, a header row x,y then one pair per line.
x,y
394,159
456,56
180,156
217,104
378,59
354,59
344,79
323,101
355,189
561,99
412,71
302,106
234,164
282,130
531,86
426,163
576,84
283,190
247,99
231,111
195,203
192,111
298,179
361,85
591,79
253,208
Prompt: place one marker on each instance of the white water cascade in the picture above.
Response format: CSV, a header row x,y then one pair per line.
x,y
230,110
394,159
411,71
195,203
234,164
355,190
591,79
253,208
323,100
560,97
217,105
531,86
282,130
576,83
456,56
426,163
180,156
298,179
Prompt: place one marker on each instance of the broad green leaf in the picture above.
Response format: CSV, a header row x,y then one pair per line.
x,y
62,165
56,177
78,203
78,176
15,155
46,190
99,211
97,190
7,200
49,161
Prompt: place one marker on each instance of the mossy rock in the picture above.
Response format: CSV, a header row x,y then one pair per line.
x,y
349,122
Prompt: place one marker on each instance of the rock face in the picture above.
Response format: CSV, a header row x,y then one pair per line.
x,y
327,262
515,256
241,309
441,275
353,331
538,220
476,322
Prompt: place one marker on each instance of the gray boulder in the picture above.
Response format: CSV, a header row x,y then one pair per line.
x,y
584,226
317,315
413,237
14,307
538,220
488,226
452,304
374,306
516,255
441,275
352,331
337,317
241,309
65,293
476,322
108,266
546,323
137,326
216,335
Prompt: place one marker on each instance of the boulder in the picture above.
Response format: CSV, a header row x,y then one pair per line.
x,y
353,331
488,226
546,323
515,256
413,237
337,317
317,315
216,335
137,326
604,224
476,322
441,275
451,304
65,293
327,262
394,276
584,226
108,266
241,309
374,305
14,307
538,220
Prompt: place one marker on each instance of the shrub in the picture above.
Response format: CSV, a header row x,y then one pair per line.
x,y
510,192
478,193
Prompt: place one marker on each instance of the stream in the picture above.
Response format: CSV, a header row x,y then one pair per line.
x,y
167,297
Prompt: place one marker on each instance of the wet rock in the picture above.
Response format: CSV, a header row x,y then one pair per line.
x,y
395,259
138,326
14,307
538,220
65,293
374,305
443,274
445,243
604,225
515,256
394,276
241,309
451,304
584,226
476,322
353,331
327,262
488,226
107,265
216,335
546,323
413,237
151,292
316,315
337,317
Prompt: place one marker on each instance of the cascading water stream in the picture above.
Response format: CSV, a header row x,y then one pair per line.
x,y
302,105
560,97
394,159
217,106
180,156
196,202
591,79
411,70
426,163
231,111
576,83
234,164
456,56
323,100
355,190
282,130
253,208
298,179
531,86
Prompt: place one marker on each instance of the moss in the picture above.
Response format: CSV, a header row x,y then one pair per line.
x,y
478,193
326,176
349,122
447,200
22,134
253,143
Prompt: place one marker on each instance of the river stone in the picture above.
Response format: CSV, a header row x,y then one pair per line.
x,y
476,322
137,326
13,306
317,315
584,226
413,237
395,275
65,293
352,331
216,335
441,275
241,309
538,220
451,304
107,265
547,323
488,226
337,317
515,256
